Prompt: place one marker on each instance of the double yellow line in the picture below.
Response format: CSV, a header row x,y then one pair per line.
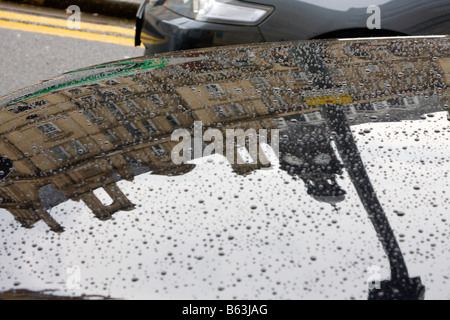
x,y
58,27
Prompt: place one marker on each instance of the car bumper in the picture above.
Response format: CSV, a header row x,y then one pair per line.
x,y
164,31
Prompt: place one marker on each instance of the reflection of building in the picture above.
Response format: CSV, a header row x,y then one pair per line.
x,y
445,66
78,140
66,144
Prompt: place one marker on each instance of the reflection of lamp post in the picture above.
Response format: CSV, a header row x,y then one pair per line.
x,y
400,286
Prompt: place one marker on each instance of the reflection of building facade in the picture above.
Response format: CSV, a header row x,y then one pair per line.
x,y
445,67
67,144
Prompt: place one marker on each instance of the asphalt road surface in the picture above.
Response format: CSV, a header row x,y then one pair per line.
x,y
37,45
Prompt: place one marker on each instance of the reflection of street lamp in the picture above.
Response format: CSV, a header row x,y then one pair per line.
x,y
307,154
400,286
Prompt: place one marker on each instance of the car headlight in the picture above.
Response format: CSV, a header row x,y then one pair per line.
x,y
222,11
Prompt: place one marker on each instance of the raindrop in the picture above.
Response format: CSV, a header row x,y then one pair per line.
x,y
399,213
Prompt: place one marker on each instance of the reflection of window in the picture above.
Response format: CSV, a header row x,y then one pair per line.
x,y
380,105
49,129
280,122
158,150
372,68
75,91
273,103
109,93
237,109
419,80
409,66
245,60
60,153
211,76
112,82
214,90
155,99
314,116
173,122
242,62
149,126
33,116
300,76
396,103
28,106
110,135
77,146
88,99
277,99
38,103
259,82
91,115
132,105
133,130
221,112
337,72
364,107
352,88
114,109
412,101
125,90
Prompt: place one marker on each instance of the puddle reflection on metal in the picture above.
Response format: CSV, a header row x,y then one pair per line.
x,y
108,129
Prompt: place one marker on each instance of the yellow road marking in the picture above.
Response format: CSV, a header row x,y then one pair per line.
x,y
52,26
315,101
152,39
63,23
66,33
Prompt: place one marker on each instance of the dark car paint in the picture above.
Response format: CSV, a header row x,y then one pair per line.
x,y
183,33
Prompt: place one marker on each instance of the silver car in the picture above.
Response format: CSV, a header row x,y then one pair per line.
x,y
169,25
